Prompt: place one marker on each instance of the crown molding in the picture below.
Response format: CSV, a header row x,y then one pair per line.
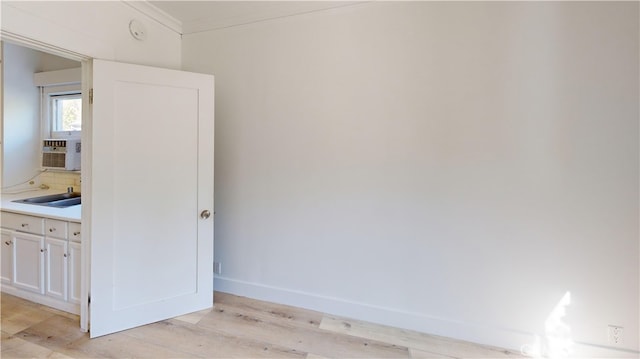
x,y
234,13
156,14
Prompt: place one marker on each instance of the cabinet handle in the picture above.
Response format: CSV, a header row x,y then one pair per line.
x,y
65,255
41,250
7,243
51,229
24,225
76,233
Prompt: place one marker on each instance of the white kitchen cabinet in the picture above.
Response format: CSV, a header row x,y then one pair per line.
x,y
74,232
28,262
56,249
44,265
56,268
23,223
73,260
55,228
26,235
6,251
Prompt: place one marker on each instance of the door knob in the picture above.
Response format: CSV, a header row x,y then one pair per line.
x,y
205,214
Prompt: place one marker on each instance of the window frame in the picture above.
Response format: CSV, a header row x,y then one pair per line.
x,y
49,94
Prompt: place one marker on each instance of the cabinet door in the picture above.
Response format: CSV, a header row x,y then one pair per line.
x,y
74,232
28,262
6,250
56,264
74,268
56,228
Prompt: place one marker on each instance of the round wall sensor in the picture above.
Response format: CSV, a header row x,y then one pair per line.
x,y
137,30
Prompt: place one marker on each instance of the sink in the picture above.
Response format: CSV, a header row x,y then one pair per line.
x,y
65,202
61,200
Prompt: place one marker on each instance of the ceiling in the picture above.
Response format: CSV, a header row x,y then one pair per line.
x,y
196,16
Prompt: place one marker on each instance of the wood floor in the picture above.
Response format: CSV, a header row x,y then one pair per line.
x,y
237,327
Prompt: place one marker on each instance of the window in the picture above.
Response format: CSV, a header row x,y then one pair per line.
x,y
61,111
66,112
61,102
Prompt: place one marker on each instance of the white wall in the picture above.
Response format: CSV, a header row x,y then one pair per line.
x,y
97,29
454,168
21,115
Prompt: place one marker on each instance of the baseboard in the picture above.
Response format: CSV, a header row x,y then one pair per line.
x,y
481,334
375,314
68,307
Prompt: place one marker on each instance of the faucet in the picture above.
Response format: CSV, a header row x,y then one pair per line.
x,y
69,189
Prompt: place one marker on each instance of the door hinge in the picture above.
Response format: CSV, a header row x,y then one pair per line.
x,y
91,96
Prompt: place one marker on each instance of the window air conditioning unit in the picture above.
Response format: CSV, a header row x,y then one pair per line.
x,y
61,154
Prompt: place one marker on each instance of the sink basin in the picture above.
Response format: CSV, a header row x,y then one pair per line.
x,y
60,200
65,202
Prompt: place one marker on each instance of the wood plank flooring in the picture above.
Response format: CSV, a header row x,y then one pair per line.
x,y
237,327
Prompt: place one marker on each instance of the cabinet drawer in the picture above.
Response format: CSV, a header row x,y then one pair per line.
x,y
23,223
74,232
55,228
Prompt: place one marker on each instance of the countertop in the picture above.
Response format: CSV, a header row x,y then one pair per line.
x,y
72,213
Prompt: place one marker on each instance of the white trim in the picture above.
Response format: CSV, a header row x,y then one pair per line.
x,y
87,184
40,46
264,11
42,299
157,14
476,333
375,314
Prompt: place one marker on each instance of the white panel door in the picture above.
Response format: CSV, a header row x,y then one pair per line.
x,y
152,136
